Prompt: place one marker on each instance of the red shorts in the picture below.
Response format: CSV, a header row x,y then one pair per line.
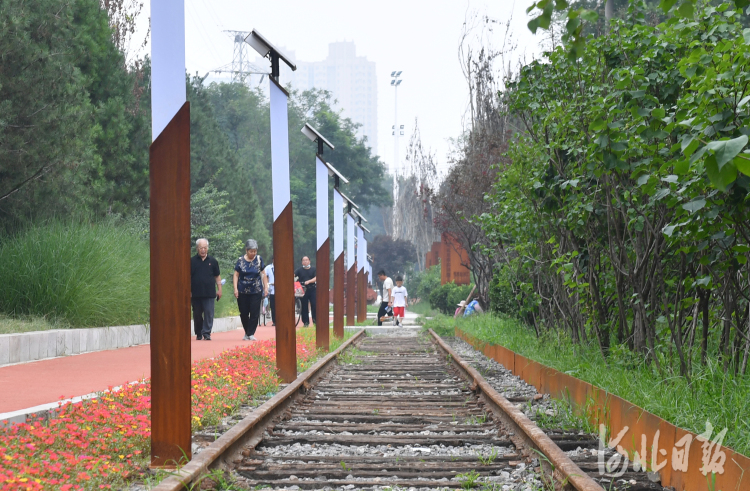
x,y
398,311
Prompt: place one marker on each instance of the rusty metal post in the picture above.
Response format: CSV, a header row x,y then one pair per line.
x,y
169,187
339,272
283,235
322,270
169,167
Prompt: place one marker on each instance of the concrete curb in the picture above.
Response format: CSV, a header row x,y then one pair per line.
x,y
25,347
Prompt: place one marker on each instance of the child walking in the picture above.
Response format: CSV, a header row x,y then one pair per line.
x,y
399,300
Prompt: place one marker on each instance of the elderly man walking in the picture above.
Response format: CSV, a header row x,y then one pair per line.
x,y
204,281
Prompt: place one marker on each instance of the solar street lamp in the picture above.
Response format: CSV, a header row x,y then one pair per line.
x,y
283,228
323,170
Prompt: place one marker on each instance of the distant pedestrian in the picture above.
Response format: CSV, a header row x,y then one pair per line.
x,y
399,300
386,304
250,286
306,276
271,291
204,281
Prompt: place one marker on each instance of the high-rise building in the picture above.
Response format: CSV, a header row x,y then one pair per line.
x,y
351,79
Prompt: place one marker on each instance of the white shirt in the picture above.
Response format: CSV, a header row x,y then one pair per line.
x,y
387,285
269,275
399,296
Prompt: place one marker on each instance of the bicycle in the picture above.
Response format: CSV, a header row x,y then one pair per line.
x,y
299,292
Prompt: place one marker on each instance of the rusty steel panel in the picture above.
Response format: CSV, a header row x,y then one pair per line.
x,y
351,295
550,382
339,277
322,268
286,332
169,170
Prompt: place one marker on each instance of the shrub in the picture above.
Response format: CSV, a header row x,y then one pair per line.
x,y
88,274
502,297
422,283
446,297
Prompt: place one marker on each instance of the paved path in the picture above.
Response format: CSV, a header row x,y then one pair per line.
x,y
31,384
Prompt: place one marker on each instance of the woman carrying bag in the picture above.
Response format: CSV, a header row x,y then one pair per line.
x,y
250,286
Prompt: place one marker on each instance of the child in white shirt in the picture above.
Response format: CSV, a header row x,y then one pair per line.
x,y
399,300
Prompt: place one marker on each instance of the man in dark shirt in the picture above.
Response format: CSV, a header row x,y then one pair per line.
x,y
204,281
306,276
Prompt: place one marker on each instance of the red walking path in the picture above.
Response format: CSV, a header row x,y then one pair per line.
x,y
31,384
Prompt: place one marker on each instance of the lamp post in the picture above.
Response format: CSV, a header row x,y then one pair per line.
x,y
283,229
351,263
322,170
169,173
361,265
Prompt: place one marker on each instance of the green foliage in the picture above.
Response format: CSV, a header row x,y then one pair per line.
x,y
624,211
445,298
503,294
72,133
210,217
420,284
394,256
709,395
87,274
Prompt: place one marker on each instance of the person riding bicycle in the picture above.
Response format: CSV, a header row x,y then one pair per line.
x,y
306,276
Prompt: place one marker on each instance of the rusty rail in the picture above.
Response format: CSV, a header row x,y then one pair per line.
x,y
224,449
564,471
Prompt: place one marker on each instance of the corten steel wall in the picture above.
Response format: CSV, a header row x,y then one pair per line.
x,y
170,292
616,414
322,268
452,258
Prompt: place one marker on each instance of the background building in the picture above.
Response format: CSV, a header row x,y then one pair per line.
x,y
351,79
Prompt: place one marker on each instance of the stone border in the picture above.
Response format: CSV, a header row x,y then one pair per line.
x,y
25,347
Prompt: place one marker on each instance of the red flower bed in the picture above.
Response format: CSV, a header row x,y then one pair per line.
x,y
102,442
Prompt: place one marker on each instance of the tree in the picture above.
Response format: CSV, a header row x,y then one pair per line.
x,y
392,256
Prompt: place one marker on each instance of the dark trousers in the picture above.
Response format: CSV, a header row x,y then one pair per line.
x,y
203,315
249,305
272,304
308,297
381,312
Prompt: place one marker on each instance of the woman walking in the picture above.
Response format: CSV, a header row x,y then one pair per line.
x,y
250,286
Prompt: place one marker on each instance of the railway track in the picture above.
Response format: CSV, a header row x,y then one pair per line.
x,y
402,413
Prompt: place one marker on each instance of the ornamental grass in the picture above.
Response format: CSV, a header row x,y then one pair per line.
x,y
103,442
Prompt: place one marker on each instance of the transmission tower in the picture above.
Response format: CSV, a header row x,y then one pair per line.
x,y
240,68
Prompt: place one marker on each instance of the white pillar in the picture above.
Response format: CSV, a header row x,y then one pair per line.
x,y
168,92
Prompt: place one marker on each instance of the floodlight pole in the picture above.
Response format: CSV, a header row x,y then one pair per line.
x,y
283,228
351,275
169,176
338,261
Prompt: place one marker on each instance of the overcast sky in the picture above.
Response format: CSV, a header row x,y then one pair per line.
x,y
419,37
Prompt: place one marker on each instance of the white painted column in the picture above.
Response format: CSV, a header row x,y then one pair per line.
x,y
321,199
350,258
168,92
279,149
338,224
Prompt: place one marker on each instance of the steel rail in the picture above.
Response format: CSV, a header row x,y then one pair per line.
x,y
566,474
249,431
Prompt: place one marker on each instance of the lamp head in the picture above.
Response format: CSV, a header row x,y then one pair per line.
x,y
313,135
265,49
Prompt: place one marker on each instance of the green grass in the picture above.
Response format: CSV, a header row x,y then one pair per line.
x,y
422,308
10,325
83,274
711,396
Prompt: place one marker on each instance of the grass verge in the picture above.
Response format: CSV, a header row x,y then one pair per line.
x,y
711,395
